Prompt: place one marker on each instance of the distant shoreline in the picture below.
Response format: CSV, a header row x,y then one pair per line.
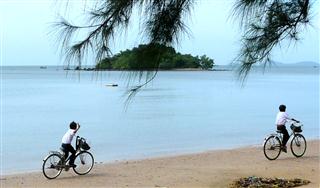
x,y
304,64
183,69
50,67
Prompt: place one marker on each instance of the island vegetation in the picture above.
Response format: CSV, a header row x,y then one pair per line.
x,y
142,58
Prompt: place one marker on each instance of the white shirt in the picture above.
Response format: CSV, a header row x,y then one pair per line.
x,y
282,118
67,138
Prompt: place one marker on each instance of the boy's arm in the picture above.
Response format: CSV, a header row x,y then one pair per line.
x,y
288,117
77,128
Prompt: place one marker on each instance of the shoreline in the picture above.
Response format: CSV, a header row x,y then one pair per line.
x,y
141,158
215,168
158,156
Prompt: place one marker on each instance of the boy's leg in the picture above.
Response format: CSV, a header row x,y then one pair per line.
x,y
285,136
65,150
285,133
73,153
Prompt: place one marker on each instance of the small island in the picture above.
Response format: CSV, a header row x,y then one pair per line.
x,y
154,56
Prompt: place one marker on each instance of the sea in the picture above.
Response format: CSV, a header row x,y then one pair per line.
x,y
179,112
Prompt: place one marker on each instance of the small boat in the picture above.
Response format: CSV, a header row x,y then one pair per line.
x,y
43,67
112,85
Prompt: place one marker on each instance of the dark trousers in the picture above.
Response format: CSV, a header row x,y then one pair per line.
x,y
285,133
68,148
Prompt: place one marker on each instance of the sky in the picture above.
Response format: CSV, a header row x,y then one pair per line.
x,y
26,36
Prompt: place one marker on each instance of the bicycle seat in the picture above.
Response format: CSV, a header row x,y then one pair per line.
x,y
278,131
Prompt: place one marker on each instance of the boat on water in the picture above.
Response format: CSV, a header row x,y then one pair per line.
x,y
112,85
43,67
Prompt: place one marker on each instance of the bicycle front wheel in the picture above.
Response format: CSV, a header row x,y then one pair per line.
x,y
84,163
272,147
52,166
298,145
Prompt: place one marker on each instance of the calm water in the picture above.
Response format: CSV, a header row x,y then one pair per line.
x,y
179,112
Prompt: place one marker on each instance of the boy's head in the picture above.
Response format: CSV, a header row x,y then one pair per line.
x,y
73,125
282,108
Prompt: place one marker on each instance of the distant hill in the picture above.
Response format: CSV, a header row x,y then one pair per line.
x,y
297,64
307,64
275,64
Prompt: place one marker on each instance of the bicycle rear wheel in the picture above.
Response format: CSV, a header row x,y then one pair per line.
x,y
272,147
52,166
84,162
298,145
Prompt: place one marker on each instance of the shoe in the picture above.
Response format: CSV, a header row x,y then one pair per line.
x,y
284,149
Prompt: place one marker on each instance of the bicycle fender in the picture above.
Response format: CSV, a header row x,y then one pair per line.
x,y
265,139
50,153
46,157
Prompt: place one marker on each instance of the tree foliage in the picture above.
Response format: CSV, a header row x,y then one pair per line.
x,y
266,24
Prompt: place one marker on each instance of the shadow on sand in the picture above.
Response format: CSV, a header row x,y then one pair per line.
x,y
71,177
312,157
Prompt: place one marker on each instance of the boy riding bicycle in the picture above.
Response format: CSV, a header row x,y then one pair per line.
x,y
67,140
281,119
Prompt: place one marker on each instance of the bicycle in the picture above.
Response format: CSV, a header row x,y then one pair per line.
x,y
55,162
272,144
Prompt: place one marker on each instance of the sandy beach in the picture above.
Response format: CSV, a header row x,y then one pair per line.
x,y
208,169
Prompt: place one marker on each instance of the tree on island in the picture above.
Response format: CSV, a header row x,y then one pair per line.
x,y
265,23
170,59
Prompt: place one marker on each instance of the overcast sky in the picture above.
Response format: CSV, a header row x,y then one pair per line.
x,y
24,27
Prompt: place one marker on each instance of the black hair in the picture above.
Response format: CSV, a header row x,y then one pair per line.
x,y
282,108
73,125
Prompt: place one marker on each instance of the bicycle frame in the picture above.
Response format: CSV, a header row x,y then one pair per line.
x,y
280,135
68,158
63,153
